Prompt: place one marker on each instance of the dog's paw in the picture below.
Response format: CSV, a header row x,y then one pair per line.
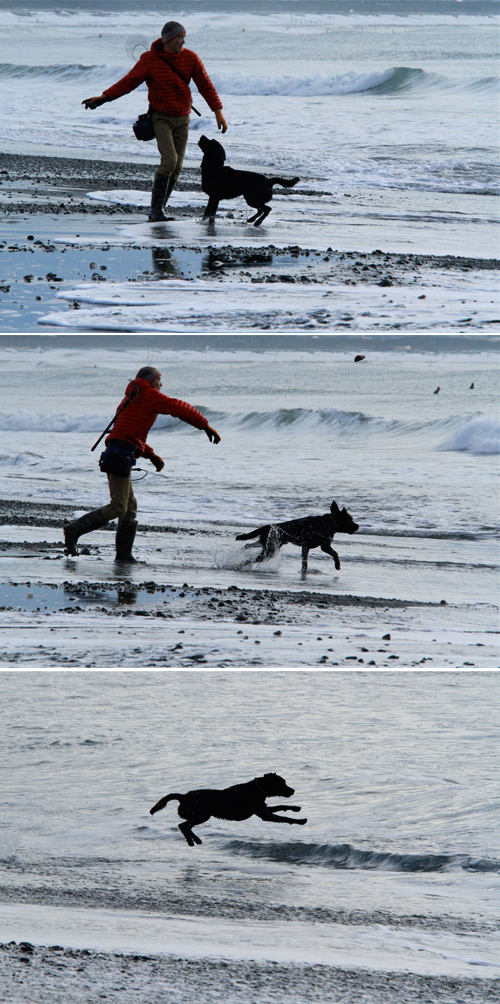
x,y
301,822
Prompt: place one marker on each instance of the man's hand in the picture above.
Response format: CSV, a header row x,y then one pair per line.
x,y
157,461
95,102
221,122
212,434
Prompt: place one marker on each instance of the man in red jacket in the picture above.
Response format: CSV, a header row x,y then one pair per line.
x,y
143,403
167,68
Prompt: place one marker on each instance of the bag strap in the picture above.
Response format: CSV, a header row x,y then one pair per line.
x,y
113,420
179,74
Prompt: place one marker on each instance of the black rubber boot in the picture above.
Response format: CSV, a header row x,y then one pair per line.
x,y
125,536
158,196
72,531
170,188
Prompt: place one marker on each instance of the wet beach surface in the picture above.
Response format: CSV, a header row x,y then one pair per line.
x,y
53,974
169,615
45,199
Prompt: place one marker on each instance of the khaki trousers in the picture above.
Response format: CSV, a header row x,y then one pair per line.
x,y
171,136
123,503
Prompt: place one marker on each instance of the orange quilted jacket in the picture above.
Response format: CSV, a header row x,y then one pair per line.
x,y
166,91
137,418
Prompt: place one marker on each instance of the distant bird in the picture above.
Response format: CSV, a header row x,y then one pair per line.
x,y
471,386
437,390
357,359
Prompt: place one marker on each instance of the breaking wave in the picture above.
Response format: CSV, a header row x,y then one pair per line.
x,y
390,81
68,71
345,856
473,435
479,436
478,432
26,421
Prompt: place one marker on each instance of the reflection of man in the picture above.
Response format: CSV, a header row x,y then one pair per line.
x,y
167,69
128,438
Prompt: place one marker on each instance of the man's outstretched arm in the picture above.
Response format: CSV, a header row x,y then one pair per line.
x,y
129,82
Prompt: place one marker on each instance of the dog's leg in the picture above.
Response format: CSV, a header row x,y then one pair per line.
x,y
185,829
265,212
328,549
285,808
266,542
260,215
187,832
212,207
305,552
269,817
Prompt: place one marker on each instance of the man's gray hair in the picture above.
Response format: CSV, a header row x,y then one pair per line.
x,y
171,29
147,373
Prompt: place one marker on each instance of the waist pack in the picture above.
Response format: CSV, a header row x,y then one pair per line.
x,y
117,462
143,127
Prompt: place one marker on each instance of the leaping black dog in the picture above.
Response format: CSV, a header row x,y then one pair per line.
x,y
240,801
307,533
221,182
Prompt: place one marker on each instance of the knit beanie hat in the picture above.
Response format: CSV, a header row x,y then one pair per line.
x,y
147,373
170,30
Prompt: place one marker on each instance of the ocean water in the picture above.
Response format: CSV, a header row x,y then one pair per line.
x,y
365,100
417,470
397,867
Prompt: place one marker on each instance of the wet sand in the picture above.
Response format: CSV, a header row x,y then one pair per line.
x,y
45,200
90,612
57,974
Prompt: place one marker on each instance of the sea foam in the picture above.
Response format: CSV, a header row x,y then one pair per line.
x,y
478,435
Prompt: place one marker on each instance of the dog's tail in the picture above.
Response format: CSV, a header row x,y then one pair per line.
x,y
163,801
284,181
253,533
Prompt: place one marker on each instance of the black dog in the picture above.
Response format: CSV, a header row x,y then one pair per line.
x,y
238,802
307,533
221,182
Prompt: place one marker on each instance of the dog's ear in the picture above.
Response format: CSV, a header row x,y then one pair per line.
x,y
270,775
334,508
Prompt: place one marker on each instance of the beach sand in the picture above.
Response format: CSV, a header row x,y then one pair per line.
x,y
55,974
297,274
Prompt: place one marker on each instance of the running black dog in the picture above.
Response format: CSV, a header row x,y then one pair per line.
x,y
307,533
221,182
238,802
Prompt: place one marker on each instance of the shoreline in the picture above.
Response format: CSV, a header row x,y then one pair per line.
x,y
52,226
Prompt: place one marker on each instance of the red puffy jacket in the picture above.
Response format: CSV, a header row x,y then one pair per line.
x,y
135,421
166,91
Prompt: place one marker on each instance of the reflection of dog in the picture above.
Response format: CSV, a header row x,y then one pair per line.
x,y
307,533
221,182
238,802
